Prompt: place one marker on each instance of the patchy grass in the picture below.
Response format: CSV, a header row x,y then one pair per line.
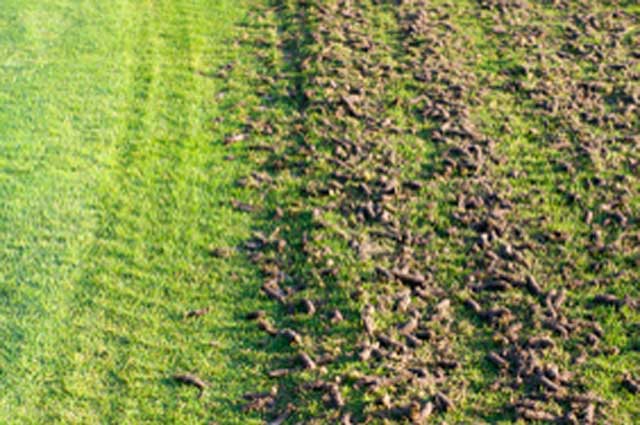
x,y
524,174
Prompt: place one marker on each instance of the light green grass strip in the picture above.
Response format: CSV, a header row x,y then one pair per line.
x,y
111,187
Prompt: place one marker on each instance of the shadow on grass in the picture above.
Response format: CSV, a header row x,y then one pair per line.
x,y
280,91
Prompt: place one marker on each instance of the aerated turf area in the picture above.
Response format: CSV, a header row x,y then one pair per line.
x,y
320,212
455,234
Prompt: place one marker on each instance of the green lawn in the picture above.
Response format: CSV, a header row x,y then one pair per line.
x,y
116,188
112,187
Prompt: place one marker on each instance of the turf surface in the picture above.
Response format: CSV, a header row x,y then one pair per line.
x,y
116,217
112,187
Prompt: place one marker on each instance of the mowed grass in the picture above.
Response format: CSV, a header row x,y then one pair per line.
x,y
113,186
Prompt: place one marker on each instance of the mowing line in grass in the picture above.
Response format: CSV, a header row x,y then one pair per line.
x,y
113,188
